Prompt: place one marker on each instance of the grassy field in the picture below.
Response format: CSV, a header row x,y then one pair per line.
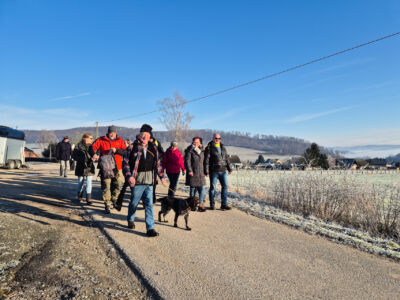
x,y
366,200
255,180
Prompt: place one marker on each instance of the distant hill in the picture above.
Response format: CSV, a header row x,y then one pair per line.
x,y
268,144
394,158
370,151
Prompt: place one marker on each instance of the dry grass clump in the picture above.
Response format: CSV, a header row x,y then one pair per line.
x,y
342,199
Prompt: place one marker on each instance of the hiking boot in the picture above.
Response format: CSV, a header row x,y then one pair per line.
x,y
89,199
131,225
118,206
80,196
113,203
201,207
152,233
225,207
212,207
107,210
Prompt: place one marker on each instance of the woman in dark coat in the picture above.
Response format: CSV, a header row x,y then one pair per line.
x,y
84,166
194,162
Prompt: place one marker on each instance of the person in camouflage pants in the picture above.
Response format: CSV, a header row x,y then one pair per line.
x,y
111,187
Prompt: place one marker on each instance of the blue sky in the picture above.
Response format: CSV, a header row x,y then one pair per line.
x,y
70,63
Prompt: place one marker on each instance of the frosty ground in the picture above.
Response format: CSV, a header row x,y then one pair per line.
x,y
226,255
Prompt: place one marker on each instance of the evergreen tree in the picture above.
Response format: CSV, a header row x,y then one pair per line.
x,y
46,152
314,158
260,159
323,161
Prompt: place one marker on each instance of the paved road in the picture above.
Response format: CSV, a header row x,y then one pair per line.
x,y
232,255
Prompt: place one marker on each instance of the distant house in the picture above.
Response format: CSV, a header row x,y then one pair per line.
x,y
237,165
29,153
393,165
377,163
263,166
235,161
346,163
361,164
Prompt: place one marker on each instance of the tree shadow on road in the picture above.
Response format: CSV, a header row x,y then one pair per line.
x,y
25,193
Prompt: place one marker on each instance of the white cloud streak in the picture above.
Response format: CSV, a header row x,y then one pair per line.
x,y
308,117
71,97
228,114
27,118
335,67
378,136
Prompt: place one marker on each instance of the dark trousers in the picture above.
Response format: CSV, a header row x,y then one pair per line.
x,y
173,181
122,194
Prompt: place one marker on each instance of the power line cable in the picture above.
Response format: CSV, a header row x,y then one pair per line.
x,y
265,77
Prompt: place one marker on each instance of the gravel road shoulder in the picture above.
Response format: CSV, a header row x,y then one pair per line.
x,y
50,249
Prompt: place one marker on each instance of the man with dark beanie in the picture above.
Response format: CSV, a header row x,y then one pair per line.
x,y
111,143
157,144
141,162
149,129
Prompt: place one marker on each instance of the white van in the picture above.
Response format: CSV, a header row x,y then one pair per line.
x,y
12,146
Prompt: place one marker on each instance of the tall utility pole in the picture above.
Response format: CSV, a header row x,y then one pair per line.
x,y
97,129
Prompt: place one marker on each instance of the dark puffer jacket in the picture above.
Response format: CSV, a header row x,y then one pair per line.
x,y
63,151
83,156
215,162
194,163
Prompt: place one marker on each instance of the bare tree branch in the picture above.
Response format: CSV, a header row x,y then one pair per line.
x,y
174,118
45,138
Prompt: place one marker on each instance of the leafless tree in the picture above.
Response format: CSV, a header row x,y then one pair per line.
x,y
174,118
307,161
46,138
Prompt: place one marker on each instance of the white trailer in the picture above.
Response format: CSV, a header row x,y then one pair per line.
x,y
12,148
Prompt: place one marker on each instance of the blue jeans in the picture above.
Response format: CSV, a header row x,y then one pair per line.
x,y
173,182
144,192
200,189
223,179
81,182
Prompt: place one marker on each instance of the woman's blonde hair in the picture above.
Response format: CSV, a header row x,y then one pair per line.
x,y
85,136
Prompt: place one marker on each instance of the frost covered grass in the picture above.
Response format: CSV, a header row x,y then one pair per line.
x,y
357,208
367,201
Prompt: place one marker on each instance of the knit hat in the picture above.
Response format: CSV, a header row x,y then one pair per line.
x,y
112,128
146,128
66,137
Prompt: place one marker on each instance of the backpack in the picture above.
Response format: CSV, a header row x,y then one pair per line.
x,y
107,166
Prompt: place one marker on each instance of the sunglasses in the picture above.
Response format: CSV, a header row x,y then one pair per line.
x,y
217,138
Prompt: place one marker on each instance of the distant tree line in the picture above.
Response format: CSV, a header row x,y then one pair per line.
x,y
269,144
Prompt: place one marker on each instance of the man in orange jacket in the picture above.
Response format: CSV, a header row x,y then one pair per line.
x,y
111,187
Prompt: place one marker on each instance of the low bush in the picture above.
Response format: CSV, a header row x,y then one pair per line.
x,y
352,200
372,208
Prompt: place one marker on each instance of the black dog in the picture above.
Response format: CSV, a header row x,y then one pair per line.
x,y
180,206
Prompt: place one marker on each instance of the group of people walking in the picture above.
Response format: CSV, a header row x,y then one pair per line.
x,y
141,163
